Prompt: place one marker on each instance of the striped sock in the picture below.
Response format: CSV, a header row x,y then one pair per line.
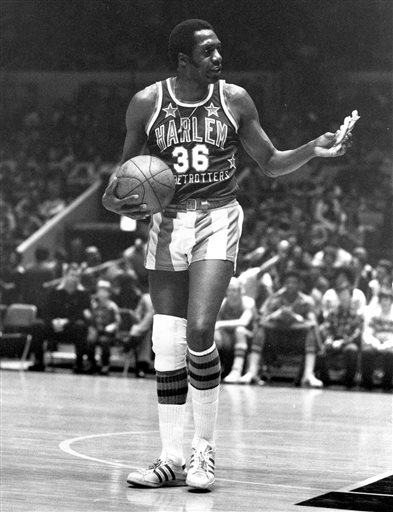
x,y
172,390
204,371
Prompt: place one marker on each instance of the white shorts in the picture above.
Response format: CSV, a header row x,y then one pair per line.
x,y
175,243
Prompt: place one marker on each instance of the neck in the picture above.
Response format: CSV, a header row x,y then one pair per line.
x,y
187,89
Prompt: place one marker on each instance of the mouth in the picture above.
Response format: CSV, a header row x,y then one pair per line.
x,y
216,70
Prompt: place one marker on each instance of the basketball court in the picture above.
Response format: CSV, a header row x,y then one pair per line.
x,y
68,443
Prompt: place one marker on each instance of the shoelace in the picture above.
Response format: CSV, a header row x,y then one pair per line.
x,y
202,460
153,466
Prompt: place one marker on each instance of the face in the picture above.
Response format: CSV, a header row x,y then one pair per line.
x,y
103,294
233,291
206,60
344,296
73,278
292,284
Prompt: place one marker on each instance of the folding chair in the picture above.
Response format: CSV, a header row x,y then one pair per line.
x,y
15,338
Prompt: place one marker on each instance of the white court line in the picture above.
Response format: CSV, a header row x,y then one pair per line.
x,y
65,446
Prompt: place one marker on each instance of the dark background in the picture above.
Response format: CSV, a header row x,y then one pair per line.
x,y
118,35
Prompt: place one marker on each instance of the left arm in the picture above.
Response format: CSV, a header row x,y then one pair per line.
x,y
258,145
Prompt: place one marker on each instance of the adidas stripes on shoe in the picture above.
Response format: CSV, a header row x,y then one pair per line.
x,y
159,474
202,465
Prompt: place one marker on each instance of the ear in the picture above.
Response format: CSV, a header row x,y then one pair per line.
x,y
183,59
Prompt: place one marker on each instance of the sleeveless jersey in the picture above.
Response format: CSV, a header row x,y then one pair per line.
x,y
198,141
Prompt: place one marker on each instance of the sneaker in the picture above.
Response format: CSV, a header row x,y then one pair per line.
x,y
201,472
312,382
233,377
250,378
159,474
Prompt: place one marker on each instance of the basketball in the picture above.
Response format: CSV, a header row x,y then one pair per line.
x,y
148,177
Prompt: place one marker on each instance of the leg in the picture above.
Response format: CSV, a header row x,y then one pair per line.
x,y
224,341
39,334
241,346
387,366
208,283
252,375
169,294
351,354
310,349
78,332
367,366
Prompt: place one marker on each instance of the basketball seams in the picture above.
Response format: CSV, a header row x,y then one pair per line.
x,y
148,177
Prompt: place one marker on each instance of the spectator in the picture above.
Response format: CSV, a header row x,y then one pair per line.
x,y
378,340
362,271
11,279
141,334
135,260
344,277
36,275
104,324
288,324
66,320
342,332
331,257
234,330
383,279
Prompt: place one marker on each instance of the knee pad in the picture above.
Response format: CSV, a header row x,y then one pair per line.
x,y
169,342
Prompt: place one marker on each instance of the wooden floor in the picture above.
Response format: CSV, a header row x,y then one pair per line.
x,y
68,443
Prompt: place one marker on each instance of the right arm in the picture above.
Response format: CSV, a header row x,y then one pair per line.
x,y
138,114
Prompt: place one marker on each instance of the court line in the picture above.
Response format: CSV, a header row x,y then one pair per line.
x,y
65,446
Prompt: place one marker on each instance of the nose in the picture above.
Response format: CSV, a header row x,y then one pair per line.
x,y
216,58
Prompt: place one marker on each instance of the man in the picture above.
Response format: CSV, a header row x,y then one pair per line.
x,y
36,275
104,324
344,278
234,330
378,340
342,333
288,325
68,313
195,122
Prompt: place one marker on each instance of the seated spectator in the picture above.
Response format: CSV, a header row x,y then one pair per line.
x,y
328,210
140,334
383,279
344,277
341,333
378,340
104,323
331,257
11,279
234,330
288,325
67,317
36,275
134,258
363,272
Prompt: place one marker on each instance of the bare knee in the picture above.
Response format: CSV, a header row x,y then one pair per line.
x,y
200,334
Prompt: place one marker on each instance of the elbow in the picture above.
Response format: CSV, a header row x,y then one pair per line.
x,y
267,165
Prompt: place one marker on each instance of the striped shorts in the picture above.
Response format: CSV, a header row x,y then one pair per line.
x,y
175,243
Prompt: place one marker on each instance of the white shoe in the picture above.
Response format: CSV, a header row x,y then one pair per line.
x,y
311,382
233,377
159,474
201,471
251,378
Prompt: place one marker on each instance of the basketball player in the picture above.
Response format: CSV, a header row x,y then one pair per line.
x,y
195,122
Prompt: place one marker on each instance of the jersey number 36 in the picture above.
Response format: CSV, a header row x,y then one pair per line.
x,y
196,158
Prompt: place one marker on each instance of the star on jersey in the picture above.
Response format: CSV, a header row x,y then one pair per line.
x,y
232,162
170,111
212,110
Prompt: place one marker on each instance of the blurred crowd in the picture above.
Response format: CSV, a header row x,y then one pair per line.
x,y
332,309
